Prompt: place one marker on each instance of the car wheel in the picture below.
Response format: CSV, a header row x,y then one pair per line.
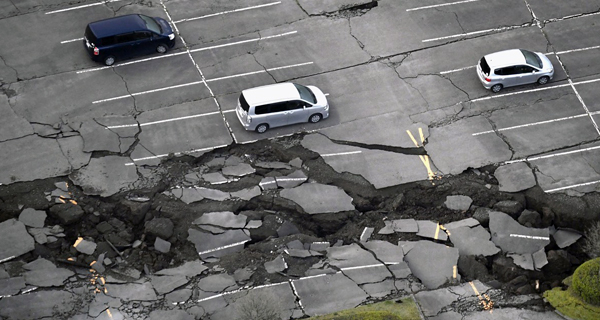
x,y
109,61
543,80
315,118
496,88
161,48
262,128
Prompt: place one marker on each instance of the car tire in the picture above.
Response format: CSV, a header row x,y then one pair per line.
x,y
109,61
543,80
496,88
161,48
262,128
315,118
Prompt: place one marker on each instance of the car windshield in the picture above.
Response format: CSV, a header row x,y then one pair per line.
x,y
151,24
532,58
305,93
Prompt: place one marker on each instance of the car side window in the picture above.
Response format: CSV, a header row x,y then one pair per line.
x,y
261,109
142,35
294,105
126,37
524,69
108,41
278,107
505,71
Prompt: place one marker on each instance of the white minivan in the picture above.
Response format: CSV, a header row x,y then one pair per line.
x,y
280,104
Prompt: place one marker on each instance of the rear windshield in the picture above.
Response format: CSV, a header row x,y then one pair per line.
x,y
89,35
484,66
151,24
532,58
305,93
243,103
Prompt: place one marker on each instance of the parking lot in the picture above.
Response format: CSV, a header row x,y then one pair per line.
x,y
388,68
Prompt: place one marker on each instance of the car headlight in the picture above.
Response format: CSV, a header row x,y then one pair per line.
x,y
327,107
171,36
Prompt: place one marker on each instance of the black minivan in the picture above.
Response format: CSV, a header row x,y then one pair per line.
x,y
127,36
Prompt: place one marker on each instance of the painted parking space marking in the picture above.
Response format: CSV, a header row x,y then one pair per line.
x,y
176,154
259,71
466,34
191,50
82,6
340,153
163,121
199,82
424,158
229,11
457,70
577,50
536,123
441,5
553,155
72,40
524,236
573,186
484,299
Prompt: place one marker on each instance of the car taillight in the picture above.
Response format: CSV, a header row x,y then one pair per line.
x,y
96,51
488,79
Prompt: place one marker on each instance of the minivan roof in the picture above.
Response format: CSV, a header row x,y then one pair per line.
x,y
505,58
117,25
271,93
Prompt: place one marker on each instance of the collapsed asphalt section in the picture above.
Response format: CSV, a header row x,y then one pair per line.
x,y
200,236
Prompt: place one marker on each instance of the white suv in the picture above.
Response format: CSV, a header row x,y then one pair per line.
x,y
512,68
280,104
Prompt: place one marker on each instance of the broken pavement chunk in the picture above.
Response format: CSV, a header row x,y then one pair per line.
x,y
515,177
432,230
473,241
162,245
223,219
277,265
434,264
33,218
512,237
209,245
15,233
239,170
319,198
85,246
458,203
565,237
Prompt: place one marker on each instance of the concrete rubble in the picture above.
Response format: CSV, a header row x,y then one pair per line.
x,y
232,228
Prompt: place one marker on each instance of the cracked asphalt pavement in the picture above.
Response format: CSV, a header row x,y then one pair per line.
x,y
406,111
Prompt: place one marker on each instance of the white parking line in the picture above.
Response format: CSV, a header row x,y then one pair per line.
x,y
440,5
553,155
198,82
256,72
192,50
340,153
456,70
82,6
473,33
224,247
176,154
512,235
573,186
229,11
163,121
536,123
72,40
520,92
577,50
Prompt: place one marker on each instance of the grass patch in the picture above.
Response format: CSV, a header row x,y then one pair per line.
x,y
404,309
570,305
